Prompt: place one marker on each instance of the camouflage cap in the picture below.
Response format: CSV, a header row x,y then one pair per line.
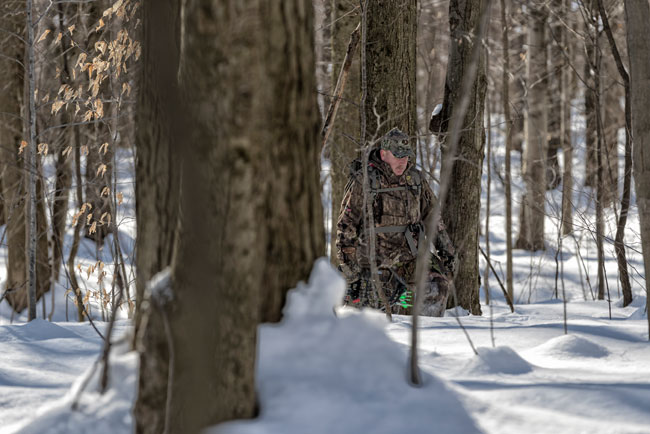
x,y
397,142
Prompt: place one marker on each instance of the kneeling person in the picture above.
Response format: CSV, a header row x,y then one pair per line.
x,y
401,204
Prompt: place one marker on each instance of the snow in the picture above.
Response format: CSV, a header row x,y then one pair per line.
x,y
323,374
327,369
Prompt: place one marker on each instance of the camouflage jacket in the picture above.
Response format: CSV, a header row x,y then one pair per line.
x,y
408,202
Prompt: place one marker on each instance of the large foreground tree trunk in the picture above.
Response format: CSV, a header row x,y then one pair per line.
x,y
637,17
462,207
251,221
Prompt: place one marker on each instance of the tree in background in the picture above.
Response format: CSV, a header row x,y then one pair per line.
x,y
343,146
391,67
637,17
461,209
531,230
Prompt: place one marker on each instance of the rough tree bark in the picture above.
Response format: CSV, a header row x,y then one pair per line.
x,y
461,209
12,18
391,67
531,231
13,130
342,148
637,17
251,221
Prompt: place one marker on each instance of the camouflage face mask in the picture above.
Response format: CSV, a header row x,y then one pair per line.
x,y
398,143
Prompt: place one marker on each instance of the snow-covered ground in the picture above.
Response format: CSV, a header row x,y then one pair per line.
x,y
321,373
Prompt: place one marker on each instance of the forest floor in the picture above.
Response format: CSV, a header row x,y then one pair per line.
x,y
318,373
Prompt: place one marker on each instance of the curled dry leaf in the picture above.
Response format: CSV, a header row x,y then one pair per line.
x,y
105,192
93,228
44,35
56,106
89,217
81,60
120,198
100,46
42,149
102,168
23,145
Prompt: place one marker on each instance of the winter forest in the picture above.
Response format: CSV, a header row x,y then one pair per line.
x,y
173,178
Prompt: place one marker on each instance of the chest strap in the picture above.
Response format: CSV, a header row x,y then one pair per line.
x,y
385,190
406,230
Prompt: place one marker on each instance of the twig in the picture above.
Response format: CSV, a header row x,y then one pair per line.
x,y
340,85
505,293
457,119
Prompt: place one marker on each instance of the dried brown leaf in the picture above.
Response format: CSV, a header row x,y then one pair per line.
x,y
44,35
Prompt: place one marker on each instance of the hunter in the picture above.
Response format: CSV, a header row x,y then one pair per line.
x,y
401,203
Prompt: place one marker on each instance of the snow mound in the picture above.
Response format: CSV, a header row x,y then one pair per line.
x,y
96,413
639,306
570,346
499,360
35,330
319,298
321,374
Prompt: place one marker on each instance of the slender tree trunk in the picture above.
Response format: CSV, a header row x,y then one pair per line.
x,y
531,233
63,181
505,99
462,215
12,18
637,17
342,147
619,244
565,127
591,129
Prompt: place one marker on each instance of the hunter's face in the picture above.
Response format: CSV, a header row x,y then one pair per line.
x,y
398,165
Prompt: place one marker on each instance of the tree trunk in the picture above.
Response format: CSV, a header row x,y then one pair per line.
x,y
461,211
12,18
251,223
505,99
157,191
619,245
637,17
556,70
590,69
565,132
342,148
391,67
531,233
